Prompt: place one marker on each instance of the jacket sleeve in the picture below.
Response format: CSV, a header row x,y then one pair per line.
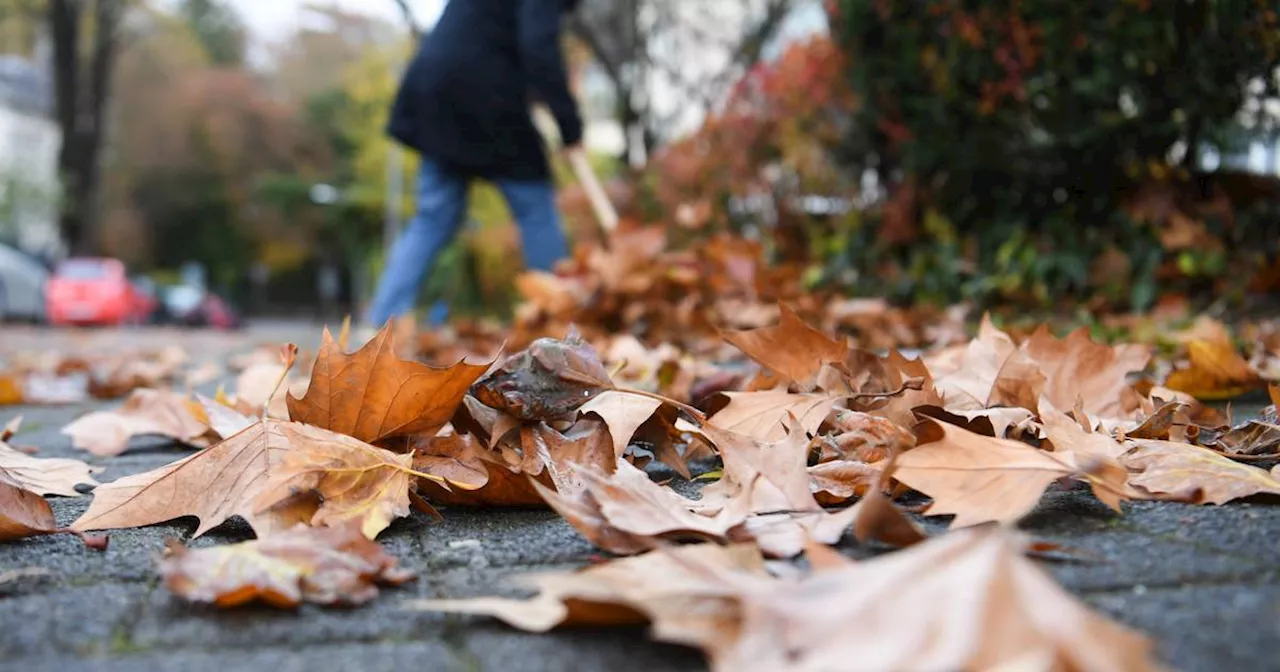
x,y
538,23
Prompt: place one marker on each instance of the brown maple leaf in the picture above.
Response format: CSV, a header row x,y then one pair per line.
x,y
1076,369
1216,371
372,394
628,513
981,478
991,372
338,479
335,565
761,414
989,608
1068,436
22,513
792,348
1179,471
538,453
146,412
212,485
45,476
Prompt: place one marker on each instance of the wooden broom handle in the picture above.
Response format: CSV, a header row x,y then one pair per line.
x,y
605,212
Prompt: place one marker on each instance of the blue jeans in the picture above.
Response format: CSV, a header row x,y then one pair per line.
x,y
442,204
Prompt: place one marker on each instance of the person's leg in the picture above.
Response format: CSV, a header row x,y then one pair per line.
x,y
533,203
442,200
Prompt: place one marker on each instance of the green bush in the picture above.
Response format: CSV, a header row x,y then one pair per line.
x,y
1014,136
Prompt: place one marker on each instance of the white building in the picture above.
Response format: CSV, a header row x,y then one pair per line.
x,y
29,143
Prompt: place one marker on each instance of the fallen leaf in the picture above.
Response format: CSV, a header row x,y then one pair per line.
x,y
839,481
548,380
879,520
372,394
10,429
770,481
145,413
545,455
1067,435
1078,369
609,594
791,348
622,413
224,420
45,476
868,438
761,414
1194,474
1160,424
212,485
334,565
10,390
991,371
345,478
1252,439
1216,371
628,513
22,513
981,478
989,607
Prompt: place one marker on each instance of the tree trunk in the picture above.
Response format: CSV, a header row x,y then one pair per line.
x,y
82,91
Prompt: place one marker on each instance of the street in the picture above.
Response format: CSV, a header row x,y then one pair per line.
x,y
1186,575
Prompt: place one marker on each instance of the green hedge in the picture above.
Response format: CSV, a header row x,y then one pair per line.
x,y
1014,134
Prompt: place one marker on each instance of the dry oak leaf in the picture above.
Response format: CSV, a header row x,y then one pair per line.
x,y
981,478
1077,369
792,348
341,479
146,412
1190,473
1216,372
45,476
372,394
973,600
212,485
321,565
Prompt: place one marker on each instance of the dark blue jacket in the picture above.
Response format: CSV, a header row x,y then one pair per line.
x,y
465,98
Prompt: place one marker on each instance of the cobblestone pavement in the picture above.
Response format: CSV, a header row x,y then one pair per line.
x,y
1204,582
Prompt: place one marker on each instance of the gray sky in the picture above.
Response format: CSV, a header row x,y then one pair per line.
x,y
271,20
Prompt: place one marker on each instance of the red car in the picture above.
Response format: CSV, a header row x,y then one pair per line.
x,y
94,291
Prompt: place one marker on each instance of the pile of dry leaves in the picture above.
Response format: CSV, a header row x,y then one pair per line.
x,y
815,440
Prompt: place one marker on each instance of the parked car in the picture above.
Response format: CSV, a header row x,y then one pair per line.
x,y
22,286
193,306
93,291
146,299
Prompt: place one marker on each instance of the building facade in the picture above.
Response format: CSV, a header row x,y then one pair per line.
x,y
29,144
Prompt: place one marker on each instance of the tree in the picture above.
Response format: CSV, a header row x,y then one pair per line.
x,y
218,28
693,52
82,87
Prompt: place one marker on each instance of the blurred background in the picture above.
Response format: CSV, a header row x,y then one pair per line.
x,y
224,158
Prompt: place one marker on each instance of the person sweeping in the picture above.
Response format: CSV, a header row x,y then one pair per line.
x,y
464,105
